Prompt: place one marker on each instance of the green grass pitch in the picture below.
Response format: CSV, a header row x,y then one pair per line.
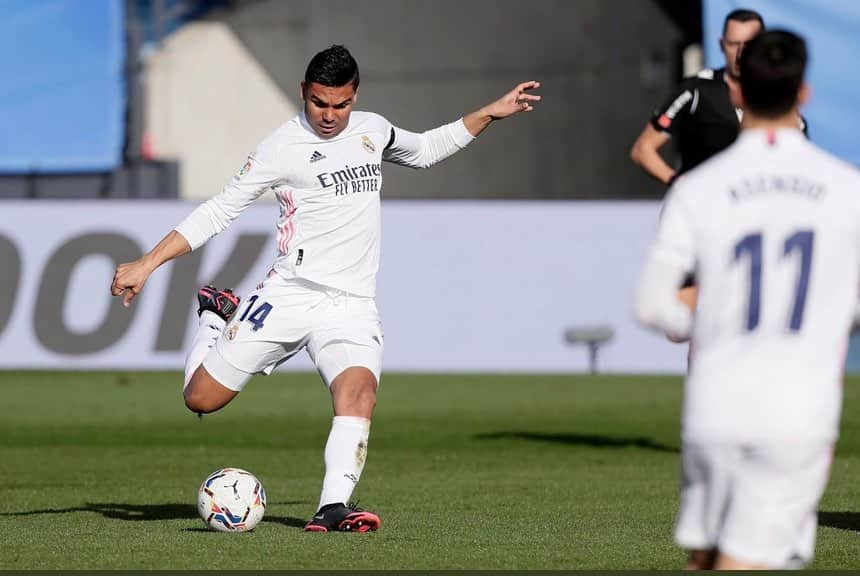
x,y
101,470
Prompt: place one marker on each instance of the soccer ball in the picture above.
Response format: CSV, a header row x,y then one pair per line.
x,y
231,500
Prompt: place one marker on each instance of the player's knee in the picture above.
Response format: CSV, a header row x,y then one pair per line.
x,y
195,401
355,392
361,397
204,394
366,397
200,402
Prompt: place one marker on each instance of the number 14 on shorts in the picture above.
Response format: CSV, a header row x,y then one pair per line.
x,y
258,316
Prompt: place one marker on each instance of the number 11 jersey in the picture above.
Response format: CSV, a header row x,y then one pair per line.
x,y
771,228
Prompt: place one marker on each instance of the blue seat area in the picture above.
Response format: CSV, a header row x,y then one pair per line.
x,y
830,29
62,98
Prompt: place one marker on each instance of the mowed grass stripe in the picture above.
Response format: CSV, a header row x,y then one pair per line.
x,y
100,470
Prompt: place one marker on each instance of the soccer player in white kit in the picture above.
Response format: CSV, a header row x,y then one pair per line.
x,y
325,169
771,227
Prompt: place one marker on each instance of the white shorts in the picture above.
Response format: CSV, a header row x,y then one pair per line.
x,y
339,330
755,503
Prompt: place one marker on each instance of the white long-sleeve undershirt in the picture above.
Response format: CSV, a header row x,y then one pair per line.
x,y
657,303
427,148
329,190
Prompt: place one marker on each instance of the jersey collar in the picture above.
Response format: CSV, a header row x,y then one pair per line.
x,y
303,122
771,136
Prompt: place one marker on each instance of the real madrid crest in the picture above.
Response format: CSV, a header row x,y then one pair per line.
x,y
368,144
231,333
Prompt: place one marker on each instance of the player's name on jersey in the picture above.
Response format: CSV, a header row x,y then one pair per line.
x,y
776,184
352,179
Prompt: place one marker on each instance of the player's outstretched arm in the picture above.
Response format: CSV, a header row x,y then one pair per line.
x,y
207,220
433,146
517,100
129,278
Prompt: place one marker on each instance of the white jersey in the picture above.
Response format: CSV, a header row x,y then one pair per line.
x,y
771,228
329,193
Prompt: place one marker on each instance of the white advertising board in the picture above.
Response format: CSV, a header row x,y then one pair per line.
x,y
465,286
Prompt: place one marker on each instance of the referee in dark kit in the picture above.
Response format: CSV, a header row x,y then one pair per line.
x,y
700,115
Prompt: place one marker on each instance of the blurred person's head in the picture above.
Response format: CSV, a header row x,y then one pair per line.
x,y
771,85
739,27
329,90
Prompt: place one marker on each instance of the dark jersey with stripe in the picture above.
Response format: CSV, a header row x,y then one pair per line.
x,y
700,115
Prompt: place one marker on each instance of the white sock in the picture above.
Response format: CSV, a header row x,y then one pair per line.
x,y
210,328
345,453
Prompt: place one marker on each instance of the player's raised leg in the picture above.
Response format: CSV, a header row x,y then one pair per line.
x,y
354,397
202,392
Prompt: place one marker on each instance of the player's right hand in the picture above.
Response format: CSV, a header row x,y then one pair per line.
x,y
688,297
128,280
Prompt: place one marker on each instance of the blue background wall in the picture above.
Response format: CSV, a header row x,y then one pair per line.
x,y
62,97
832,30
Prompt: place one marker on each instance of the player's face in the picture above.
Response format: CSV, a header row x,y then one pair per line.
x,y
327,108
737,34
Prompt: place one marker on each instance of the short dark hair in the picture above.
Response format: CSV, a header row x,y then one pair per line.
x,y
742,15
334,67
772,67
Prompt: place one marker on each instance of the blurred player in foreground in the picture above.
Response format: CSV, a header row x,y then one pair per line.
x,y
771,227
325,168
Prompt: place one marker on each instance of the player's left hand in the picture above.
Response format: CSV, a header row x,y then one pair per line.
x,y
515,101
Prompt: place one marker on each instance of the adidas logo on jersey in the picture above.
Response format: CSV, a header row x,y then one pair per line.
x,y
316,156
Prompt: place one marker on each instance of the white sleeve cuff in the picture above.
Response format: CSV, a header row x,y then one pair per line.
x,y
462,136
192,233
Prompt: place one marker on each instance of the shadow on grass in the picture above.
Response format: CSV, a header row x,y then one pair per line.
x,y
132,512
841,520
151,512
592,440
286,521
